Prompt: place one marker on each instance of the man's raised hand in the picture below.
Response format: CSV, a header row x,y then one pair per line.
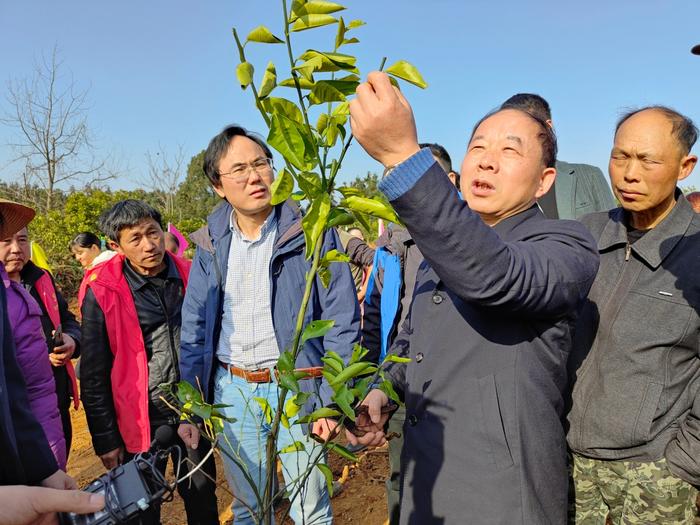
x,y
382,120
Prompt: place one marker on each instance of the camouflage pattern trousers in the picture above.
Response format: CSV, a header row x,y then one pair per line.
x,y
629,492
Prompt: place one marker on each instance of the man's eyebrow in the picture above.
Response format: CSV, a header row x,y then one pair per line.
x,y
476,137
514,139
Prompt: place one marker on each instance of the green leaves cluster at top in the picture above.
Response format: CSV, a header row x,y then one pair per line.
x,y
323,81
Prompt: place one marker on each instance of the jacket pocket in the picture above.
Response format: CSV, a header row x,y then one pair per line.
x,y
494,426
647,410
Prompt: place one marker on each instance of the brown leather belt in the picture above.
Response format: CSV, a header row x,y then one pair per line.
x,y
264,376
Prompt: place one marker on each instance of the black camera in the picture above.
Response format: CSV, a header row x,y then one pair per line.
x,y
132,488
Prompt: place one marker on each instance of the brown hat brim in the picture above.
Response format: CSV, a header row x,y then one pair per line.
x,y
15,216
695,50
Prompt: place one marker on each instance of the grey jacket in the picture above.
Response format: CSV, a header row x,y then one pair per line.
x,y
637,392
581,189
488,334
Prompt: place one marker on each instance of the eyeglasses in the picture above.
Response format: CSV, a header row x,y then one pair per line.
x,y
241,172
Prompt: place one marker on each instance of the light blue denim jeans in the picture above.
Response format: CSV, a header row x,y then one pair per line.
x,y
247,437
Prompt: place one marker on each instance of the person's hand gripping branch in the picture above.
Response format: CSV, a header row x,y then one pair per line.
x,y
382,121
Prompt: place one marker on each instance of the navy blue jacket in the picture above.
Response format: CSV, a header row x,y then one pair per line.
x,y
26,457
202,307
489,333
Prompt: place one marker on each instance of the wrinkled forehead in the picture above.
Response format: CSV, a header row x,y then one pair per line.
x,y
509,125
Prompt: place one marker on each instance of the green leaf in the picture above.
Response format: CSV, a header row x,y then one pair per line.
x,y
342,451
355,23
314,221
281,187
201,410
307,68
332,365
371,207
388,389
288,381
305,22
344,399
334,256
263,35
301,398
325,275
393,358
407,72
328,475
282,106
358,353
269,81
354,370
350,191
310,184
244,73
303,83
330,62
291,409
321,413
298,196
187,393
352,40
340,35
266,408
361,387
363,221
289,138
322,122
323,92
339,217
285,363
318,7
316,329
342,110
297,446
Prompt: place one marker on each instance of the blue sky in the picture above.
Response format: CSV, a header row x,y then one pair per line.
x,y
163,73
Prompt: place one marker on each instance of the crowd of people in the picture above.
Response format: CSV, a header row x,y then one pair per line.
x,y
552,326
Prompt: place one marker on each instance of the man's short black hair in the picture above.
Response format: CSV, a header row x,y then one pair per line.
x,y
548,139
218,146
532,103
684,130
126,214
440,153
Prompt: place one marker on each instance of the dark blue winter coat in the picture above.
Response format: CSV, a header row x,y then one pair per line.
x,y
202,307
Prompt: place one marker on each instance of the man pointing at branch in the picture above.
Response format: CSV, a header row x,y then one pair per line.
x,y
490,326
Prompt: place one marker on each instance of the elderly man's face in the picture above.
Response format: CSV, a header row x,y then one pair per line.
x,y
646,163
502,172
15,251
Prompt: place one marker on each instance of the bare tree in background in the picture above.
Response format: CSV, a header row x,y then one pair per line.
x,y
165,172
53,140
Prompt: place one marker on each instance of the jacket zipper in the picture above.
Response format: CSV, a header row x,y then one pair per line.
x,y
628,251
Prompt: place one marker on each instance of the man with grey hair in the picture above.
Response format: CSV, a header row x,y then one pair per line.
x,y
634,422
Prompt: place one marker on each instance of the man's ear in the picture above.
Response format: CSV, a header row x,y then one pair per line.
x,y
114,246
219,190
546,181
687,165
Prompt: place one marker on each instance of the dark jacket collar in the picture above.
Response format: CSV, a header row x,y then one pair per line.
x,y
288,217
138,281
30,274
509,224
656,243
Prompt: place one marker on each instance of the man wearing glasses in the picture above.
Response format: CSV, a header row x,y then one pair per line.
x,y
239,314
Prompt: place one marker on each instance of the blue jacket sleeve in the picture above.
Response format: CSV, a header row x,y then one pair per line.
x,y
545,275
338,302
194,311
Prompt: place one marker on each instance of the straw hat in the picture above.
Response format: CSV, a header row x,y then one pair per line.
x,y
15,216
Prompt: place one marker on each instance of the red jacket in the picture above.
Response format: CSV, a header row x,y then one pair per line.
x,y
47,292
129,376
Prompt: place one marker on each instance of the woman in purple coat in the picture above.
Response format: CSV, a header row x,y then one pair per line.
x,y
32,357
